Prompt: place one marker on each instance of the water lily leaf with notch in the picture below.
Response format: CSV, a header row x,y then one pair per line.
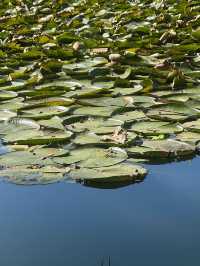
x,y
117,173
169,148
155,128
104,158
93,157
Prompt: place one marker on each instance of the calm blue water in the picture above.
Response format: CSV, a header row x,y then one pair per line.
x,y
154,223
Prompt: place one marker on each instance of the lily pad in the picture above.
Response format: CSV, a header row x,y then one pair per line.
x,y
22,175
93,157
193,126
45,112
156,128
20,158
162,149
118,173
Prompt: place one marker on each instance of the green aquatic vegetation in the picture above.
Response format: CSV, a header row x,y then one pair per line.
x,y
88,88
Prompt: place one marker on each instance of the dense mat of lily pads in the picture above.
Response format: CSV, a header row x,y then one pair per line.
x,y
91,88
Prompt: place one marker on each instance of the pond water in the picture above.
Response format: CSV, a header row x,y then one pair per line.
x,y
155,222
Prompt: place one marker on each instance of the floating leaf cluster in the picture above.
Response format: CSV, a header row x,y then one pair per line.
x,y
89,88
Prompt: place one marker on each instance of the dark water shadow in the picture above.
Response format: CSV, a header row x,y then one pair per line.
x,y
114,185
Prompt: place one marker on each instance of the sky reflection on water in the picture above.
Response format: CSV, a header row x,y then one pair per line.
x,y
155,222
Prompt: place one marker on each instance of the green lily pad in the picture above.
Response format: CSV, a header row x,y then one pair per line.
x,y
93,157
33,137
188,136
53,123
173,112
130,117
21,158
22,175
193,126
95,111
155,128
118,173
46,152
45,112
157,149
